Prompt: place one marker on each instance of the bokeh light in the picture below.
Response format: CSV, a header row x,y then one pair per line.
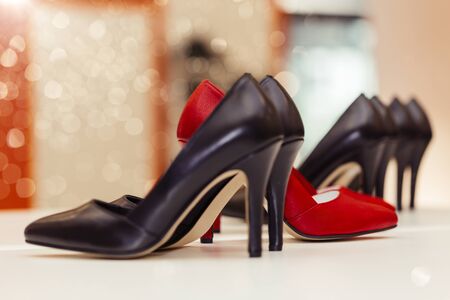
x,y
15,116
97,80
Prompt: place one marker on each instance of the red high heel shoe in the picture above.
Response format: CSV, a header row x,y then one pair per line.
x,y
333,213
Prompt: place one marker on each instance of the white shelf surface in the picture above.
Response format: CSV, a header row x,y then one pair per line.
x,y
409,262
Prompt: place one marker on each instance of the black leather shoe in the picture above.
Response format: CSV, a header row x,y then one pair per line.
x,y
293,132
239,142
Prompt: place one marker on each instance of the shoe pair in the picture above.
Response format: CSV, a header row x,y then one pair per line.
x,y
249,139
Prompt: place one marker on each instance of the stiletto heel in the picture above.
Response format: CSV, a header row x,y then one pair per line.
x,y
207,237
414,170
216,225
416,157
402,156
423,136
400,172
276,192
257,169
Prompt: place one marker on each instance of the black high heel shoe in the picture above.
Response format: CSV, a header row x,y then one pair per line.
x,y
422,137
239,141
355,138
293,132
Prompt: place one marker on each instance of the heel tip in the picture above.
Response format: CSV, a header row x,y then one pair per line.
x,y
216,231
255,254
275,247
206,241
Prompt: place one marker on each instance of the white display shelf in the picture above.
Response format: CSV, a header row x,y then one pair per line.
x,y
409,262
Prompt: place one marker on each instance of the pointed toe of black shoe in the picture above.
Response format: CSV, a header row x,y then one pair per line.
x,y
50,230
95,227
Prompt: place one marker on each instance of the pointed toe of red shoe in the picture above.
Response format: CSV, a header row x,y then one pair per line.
x,y
342,217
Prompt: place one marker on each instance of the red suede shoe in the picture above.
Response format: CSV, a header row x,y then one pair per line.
x,y
334,214
331,214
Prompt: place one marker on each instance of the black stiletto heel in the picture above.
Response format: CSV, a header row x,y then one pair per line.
x,y
276,192
238,145
416,157
258,169
423,136
409,156
402,156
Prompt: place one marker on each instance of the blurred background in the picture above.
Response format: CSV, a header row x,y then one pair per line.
x,y
91,90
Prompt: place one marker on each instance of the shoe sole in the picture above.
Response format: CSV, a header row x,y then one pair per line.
x,y
302,236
